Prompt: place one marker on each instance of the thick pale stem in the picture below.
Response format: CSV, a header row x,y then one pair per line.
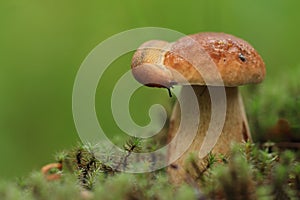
x,y
235,130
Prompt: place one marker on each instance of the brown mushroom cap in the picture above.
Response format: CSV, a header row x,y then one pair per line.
x,y
157,63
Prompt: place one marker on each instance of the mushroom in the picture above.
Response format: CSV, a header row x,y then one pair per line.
x,y
162,64
46,169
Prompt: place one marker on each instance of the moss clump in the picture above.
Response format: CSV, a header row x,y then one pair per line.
x,y
276,100
251,172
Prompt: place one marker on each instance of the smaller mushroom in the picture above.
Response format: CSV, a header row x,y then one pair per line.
x,y
47,168
158,63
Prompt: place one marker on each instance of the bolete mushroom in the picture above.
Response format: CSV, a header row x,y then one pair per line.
x,y
162,64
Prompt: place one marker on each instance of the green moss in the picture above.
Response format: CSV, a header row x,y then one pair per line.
x,y
251,172
278,97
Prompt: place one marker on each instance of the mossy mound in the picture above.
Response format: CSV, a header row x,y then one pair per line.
x,y
251,172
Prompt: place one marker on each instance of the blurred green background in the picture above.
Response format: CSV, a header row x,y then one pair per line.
x,y
43,43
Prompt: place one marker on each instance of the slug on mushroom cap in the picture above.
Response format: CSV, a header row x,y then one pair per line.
x,y
237,61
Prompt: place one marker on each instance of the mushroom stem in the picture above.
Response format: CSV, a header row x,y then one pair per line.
x,y
235,129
